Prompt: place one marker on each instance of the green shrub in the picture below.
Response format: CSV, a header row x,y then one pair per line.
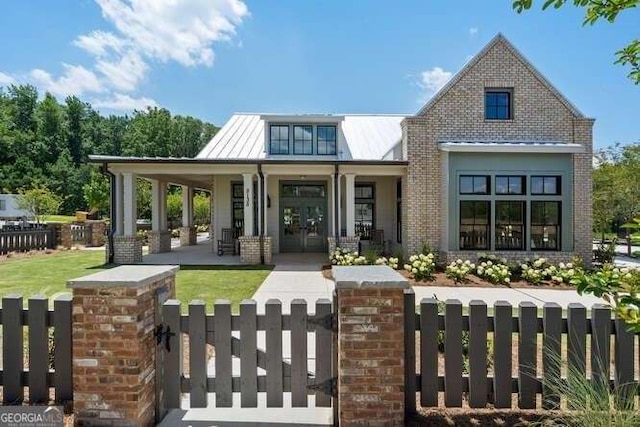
x,y
421,266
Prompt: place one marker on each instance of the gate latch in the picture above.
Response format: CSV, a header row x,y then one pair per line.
x,y
164,334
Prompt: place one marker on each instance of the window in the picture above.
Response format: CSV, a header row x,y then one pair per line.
x,y
497,105
279,139
237,209
474,224
545,185
302,140
303,190
3,205
474,184
326,140
365,205
545,225
509,225
510,185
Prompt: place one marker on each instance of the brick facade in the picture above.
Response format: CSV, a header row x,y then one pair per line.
x,y
159,241
540,113
370,346
250,249
351,243
188,236
127,249
114,346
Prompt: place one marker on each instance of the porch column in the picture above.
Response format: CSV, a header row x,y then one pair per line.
x,y
129,204
265,203
127,247
259,198
350,203
187,231
119,208
159,236
339,222
248,204
332,205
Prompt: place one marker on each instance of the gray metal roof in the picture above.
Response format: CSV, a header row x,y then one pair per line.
x,y
360,137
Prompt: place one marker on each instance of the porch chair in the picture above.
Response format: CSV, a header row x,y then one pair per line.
x,y
227,243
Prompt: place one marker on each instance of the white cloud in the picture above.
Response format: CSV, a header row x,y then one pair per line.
x,y
123,102
124,73
473,31
432,80
75,80
6,79
144,31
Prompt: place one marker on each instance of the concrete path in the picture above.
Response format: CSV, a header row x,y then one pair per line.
x,y
513,295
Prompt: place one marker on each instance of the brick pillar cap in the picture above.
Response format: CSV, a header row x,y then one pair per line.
x,y
368,276
126,276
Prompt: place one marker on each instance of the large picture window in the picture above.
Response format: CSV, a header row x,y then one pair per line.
x,y
302,140
497,105
509,228
279,139
545,225
365,206
474,184
474,224
326,140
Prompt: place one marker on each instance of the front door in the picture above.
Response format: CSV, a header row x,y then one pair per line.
x,y
303,218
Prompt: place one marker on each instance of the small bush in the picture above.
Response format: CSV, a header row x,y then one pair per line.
x,y
391,262
605,253
459,270
563,273
534,271
421,266
342,256
494,272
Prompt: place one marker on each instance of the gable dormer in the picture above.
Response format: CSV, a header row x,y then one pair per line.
x,y
308,136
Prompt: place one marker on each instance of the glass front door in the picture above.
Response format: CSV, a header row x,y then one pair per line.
x,y
303,226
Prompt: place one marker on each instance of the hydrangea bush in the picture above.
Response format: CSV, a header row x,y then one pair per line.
x,y
458,270
421,266
534,272
341,256
494,272
391,262
563,273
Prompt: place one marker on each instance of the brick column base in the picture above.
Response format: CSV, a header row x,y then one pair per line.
x,y
188,236
159,241
127,249
370,345
114,347
250,249
351,243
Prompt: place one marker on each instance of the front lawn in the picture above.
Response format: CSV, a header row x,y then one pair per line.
x,y
48,274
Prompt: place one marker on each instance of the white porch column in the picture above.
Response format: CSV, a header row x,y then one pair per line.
x,y
265,203
339,205
163,205
350,203
260,204
156,205
187,206
248,203
119,208
332,205
129,204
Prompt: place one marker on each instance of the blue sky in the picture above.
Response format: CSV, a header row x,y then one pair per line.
x,y
210,58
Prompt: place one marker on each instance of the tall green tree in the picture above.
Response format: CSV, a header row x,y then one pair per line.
x,y
75,118
595,10
39,202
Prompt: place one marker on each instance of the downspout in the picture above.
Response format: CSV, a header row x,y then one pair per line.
x,y
336,201
262,210
112,208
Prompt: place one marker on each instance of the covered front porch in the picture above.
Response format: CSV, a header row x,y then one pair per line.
x,y
258,208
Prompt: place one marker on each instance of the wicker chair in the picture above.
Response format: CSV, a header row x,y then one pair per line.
x,y
227,243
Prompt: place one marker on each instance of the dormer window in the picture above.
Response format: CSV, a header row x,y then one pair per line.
x,y
303,139
279,139
498,104
326,140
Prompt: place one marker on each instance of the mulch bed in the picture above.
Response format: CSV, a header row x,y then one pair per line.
x,y
440,279
33,253
481,417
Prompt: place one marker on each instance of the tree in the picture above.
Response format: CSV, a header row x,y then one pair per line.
x,y
96,192
596,10
39,202
201,209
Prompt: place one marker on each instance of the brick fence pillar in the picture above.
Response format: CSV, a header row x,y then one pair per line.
x,y
114,347
98,229
66,239
370,345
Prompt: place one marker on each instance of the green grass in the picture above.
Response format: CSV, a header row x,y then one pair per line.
x,y
48,274
60,218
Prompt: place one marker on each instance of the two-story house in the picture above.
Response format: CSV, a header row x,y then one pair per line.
x,y
497,161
